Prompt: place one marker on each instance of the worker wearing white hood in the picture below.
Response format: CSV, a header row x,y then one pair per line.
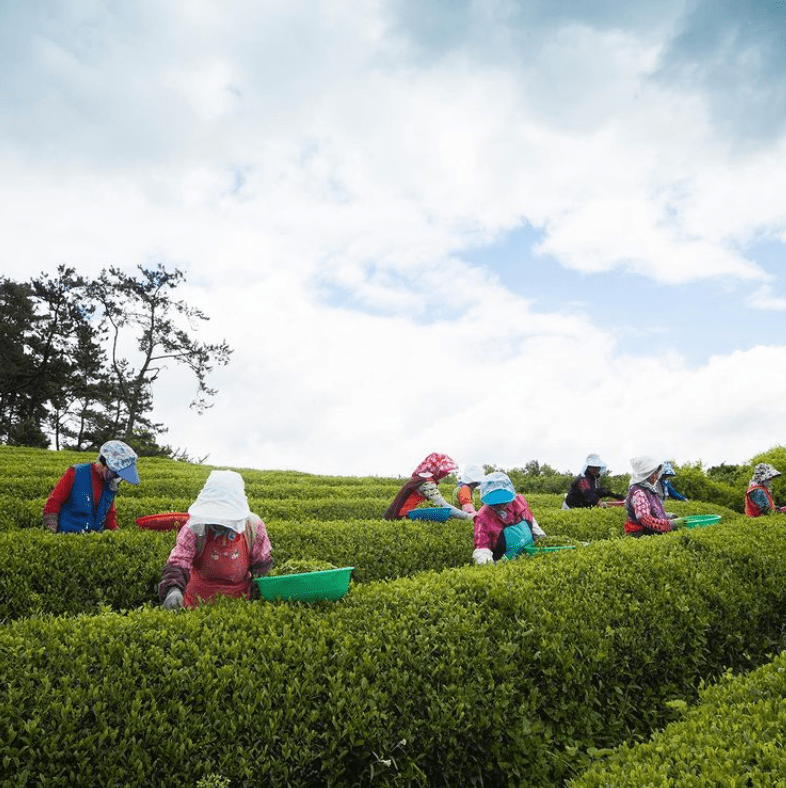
x,y
646,514
219,550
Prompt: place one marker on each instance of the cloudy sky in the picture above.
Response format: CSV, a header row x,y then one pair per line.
x,y
504,229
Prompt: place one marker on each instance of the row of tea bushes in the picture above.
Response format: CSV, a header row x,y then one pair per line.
x,y
733,737
506,675
78,573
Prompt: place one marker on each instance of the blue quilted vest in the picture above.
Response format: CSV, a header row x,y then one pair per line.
x,y
79,513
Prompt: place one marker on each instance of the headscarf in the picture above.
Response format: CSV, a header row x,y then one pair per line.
x,y
668,469
593,461
763,474
643,467
471,474
222,501
436,466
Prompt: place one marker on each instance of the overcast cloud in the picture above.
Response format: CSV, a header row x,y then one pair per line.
x,y
505,230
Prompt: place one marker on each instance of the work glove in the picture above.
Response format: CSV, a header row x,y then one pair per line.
x,y
469,508
174,599
50,521
482,555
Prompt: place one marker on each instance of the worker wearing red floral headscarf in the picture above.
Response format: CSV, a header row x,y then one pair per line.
x,y
423,486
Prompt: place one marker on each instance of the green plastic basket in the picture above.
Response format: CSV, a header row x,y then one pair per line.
x,y
700,520
533,549
306,586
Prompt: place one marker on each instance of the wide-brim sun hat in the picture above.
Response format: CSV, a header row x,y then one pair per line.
x,y
120,458
471,474
594,461
497,488
643,467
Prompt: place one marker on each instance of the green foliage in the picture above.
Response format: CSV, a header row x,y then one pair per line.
x,y
694,484
430,671
295,567
733,736
502,675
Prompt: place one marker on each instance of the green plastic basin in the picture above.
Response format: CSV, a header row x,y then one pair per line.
x,y
306,586
700,520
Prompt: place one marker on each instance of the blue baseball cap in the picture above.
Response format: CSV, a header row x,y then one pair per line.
x,y
497,488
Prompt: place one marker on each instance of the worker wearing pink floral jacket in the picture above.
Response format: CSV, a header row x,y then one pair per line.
x,y
221,548
646,514
505,523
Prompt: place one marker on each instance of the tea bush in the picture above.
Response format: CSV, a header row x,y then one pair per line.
x,y
734,736
514,674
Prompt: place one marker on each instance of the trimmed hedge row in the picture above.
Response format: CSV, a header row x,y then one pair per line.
x,y
514,674
78,573
733,737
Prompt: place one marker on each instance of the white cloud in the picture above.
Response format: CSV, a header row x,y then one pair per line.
x,y
319,183
764,299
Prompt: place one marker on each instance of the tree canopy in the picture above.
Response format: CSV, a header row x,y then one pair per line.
x,y
67,375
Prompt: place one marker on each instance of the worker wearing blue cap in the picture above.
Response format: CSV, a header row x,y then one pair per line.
x,y
83,499
505,523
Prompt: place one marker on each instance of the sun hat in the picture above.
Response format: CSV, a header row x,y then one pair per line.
x,y
222,501
643,467
668,469
497,488
120,458
471,474
594,461
763,473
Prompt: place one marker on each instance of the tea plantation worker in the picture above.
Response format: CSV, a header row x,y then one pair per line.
x,y
222,546
423,486
646,514
586,489
469,480
758,497
505,523
664,486
83,499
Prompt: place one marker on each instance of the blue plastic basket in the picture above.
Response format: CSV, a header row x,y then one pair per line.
x,y
306,586
437,513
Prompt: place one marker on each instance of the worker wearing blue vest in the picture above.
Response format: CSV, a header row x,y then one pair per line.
x,y
83,499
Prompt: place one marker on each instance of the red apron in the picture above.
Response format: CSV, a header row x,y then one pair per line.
x,y
750,507
223,567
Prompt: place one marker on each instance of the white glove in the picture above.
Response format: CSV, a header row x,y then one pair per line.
x,y
174,599
482,555
469,508
537,531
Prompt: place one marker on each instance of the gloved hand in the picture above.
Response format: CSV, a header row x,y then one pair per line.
x,y
174,599
469,508
482,555
50,521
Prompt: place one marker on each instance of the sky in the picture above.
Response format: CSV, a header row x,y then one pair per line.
x,y
504,230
